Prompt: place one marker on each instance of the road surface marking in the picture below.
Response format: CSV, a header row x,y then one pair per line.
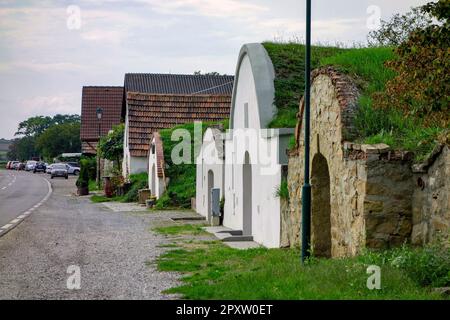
x,y
15,222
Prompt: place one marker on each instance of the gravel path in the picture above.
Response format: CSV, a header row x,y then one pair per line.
x,y
112,250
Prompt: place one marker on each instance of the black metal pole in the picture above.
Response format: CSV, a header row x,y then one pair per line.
x,y
306,189
98,156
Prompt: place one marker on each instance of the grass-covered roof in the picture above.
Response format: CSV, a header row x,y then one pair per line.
x,y
288,60
367,67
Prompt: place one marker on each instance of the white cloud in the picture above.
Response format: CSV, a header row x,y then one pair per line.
x,y
107,36
60,103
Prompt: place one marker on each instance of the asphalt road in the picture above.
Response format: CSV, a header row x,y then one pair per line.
x,y
19,191
114,251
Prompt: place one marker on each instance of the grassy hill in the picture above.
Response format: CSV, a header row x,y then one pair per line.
x,y
367,67
288,60
181,187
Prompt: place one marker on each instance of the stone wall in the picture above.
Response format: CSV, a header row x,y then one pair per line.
x,y
431,197
388,201
290,210
361,194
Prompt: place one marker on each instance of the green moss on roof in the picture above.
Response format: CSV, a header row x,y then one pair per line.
x,y
181,187
374,125
289,63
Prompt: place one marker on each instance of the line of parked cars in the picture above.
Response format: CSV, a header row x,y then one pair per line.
x,y
55,169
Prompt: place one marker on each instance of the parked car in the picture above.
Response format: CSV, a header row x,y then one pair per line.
x,y
59,170
49,168
73,168
20,166
39,167
30,165
12,165
8,164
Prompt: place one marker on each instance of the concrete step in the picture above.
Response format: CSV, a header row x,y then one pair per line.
x,y
232,232
232,238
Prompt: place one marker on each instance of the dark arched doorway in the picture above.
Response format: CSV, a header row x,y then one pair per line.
x,y
247,195
321,207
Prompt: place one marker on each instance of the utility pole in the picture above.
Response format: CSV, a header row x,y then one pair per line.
x,y
99,113
306,189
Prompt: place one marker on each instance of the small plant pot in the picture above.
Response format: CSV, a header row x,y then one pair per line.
x,y
83,191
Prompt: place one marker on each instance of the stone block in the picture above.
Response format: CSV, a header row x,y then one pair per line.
x,y
373,206
143,194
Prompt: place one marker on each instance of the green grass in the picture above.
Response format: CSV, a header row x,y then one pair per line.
x,y
289,63
93,185
138,181
99,199
366,66
181,187
215,271
181,229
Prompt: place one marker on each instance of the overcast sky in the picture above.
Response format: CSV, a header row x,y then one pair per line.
x,y
47,54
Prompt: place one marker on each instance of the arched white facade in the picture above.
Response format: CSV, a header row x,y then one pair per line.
x,y
210,170
249,140
156,176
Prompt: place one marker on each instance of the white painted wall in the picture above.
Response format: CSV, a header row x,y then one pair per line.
x,y
130,164
155,183
126,150
208,160
254,87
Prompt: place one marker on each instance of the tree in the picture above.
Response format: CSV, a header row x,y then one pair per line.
x,y
421,87
111,146
34,126
58,139
398,28
66,118
212,73
22,149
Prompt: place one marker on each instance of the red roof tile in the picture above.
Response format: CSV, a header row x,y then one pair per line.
x,y
148,113
110,100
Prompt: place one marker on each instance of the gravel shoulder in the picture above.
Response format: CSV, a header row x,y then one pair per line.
x,y
112,249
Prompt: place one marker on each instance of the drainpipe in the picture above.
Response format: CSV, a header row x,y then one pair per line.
x,y
306,189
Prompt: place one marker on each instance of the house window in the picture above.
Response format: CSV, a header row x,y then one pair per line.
x,y
246,115
153,149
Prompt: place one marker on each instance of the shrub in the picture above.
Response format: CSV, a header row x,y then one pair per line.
x,y
428,266
138,181
398,28
83,178
421,87
283,190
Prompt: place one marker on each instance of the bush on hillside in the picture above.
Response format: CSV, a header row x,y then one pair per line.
x,y
288,60
421,87
138,181
397,29
427,266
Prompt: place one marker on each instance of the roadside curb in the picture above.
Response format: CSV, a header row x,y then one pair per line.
x,y
16,221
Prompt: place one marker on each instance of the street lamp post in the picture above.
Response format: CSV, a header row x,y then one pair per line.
x,y
99,113
306,189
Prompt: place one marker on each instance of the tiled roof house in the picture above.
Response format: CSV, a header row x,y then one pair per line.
x,y
158,101
108,98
